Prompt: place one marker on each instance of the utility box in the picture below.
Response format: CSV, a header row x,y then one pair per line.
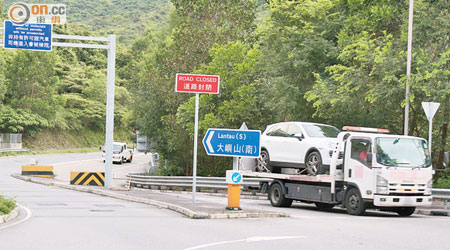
x,y
143,143
11,141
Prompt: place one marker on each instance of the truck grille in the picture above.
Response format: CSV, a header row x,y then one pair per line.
x,y
406,189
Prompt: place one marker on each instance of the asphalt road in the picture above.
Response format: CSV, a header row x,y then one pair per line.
x,y
65,219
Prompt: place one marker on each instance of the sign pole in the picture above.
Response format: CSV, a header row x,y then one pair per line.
x,y
190,83
430,132
236,162
408,64
194,167
109,136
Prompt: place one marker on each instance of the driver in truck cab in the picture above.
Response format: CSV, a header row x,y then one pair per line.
x,y
363,154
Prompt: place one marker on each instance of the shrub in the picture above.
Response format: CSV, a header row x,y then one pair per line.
x,y
6,205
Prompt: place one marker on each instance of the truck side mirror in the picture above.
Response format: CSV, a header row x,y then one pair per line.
x,y
446,159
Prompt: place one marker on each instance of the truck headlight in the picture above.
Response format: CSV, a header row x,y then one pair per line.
x,y
382,185
429,187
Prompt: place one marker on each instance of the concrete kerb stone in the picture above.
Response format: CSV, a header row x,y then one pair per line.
x,y
12,215
187,212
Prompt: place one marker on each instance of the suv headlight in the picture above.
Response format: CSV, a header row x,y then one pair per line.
x,y
331,145
382,185
429,187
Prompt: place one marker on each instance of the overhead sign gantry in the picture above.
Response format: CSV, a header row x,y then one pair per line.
x,y
22,15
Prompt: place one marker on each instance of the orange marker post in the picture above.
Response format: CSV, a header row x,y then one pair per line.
x,y
234,180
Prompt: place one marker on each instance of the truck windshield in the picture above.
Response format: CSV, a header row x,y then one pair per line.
x,y
117,149
315,130
402,152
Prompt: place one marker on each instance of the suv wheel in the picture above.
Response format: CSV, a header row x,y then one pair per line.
x,y
313,163
262,164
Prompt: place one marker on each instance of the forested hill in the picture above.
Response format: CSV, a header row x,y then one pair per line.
x,y
128,19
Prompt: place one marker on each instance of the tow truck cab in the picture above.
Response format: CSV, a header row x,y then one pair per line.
x,y
389,172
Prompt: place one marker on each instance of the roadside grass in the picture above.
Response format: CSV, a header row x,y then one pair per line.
x,y
57,151
6,205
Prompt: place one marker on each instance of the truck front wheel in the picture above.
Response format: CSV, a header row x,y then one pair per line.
x,y
405,211
354,203
276,196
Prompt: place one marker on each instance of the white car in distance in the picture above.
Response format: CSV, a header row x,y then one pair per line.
x,y
120,153
298,146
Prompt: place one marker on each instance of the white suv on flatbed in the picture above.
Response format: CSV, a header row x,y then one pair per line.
x,y
297,145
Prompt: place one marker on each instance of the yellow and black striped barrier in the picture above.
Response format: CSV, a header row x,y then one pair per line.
x,y
87,178
38,171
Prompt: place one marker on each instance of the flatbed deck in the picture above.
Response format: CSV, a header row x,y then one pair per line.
x,y
291,177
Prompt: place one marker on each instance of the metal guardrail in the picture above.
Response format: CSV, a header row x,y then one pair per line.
x,y
220,183
440,193
214,183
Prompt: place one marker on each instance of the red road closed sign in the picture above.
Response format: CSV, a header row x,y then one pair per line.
x,y
208,84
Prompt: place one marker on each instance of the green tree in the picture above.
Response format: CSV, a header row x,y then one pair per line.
x,y
195,27
367,86
298,38
32,83
20,121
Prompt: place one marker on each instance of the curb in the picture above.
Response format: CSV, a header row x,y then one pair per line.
x,y
184,211
437,212
12,215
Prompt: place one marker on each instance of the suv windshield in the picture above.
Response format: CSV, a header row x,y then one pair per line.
x,y
403,152
314,130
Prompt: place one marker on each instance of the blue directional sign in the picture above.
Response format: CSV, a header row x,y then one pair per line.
x,y
31,36
232,142
236,177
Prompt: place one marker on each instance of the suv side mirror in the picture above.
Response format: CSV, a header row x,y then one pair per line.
x,y
446,159
299,136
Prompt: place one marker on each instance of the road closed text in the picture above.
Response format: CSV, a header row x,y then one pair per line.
x,y
197,83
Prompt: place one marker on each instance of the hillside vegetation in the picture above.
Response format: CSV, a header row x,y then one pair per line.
x,y
128,19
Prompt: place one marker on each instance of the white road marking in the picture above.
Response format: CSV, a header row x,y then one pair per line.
x,y
68,162
251,239
28,211
208,142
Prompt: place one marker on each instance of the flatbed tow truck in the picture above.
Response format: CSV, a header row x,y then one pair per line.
x,y
369,169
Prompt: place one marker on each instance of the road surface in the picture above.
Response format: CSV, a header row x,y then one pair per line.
x,y
66,219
